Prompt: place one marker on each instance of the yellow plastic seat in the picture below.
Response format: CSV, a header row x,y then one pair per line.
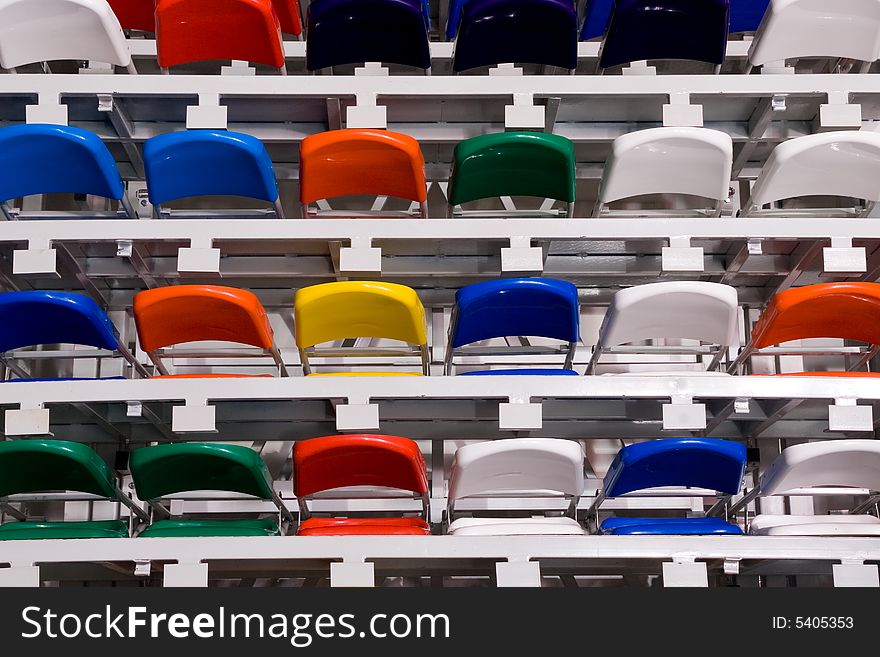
x,y
332,312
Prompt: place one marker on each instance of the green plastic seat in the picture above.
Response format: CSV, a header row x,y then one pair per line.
x,y
194,528
513,164
181,467
31,466
34,531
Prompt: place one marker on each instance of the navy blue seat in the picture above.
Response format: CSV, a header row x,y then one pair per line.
x,y
492,32
693,462
208,163
45,159
34,318
535,307
745,16
357,31
666,29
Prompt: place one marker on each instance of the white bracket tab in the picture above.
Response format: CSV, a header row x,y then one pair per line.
x,y
134,409
843,258
35,261
199,258
518,574
352,574
681,256
683,415
142,567
687,574
238,67
207,115
845,415
524,114
857,574
679,113
20,577
755,247
97,68
521,256
741,406
372,69
357,417
639,68
839,114
366,113
506,69
46,112
193,418
27,421
520,415
731,566
185,575
360,258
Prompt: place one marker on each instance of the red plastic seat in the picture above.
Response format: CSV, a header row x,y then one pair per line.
x,y
135,14
204,30
288,16
333,462
364,527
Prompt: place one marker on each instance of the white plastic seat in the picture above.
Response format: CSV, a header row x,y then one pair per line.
x,y
685,310
689,161
843,464
792,29
34,31
515,527
841,163
837,525
517,468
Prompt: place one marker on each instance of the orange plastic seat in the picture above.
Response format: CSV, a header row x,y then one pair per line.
x,y
846,311
355,161
174,315
204,30
365,460
288,16
135,14
364,527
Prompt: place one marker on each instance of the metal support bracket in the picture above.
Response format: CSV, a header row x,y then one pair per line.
x,y
208,114
352,574
524,114
199,258
28,420
684,415
843,258
845,415
520,415
681,256
194,417
521,256
357,415
679,113
518,573
361,257
366,113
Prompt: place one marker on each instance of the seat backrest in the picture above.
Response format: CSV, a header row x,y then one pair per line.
x,y
208,162
45,159
693,161
358,309
597,16
135,14
355,161
46,30
494,32
687,310
518,467
513,164
321,464
746,15
203,30
694,462
36,317
849,463
167,316
817,28
666,29
843,163
538,307
161,470
288,16
849,311
32,466
358,31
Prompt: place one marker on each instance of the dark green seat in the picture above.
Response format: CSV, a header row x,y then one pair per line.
x,y
183,467
32,466
35,531
191,528
513,164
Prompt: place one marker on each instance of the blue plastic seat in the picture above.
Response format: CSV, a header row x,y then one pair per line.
x,y
208,163
745,16
43,159
669,527
492,32
666,29
357,31
693,462
536,307
39,317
